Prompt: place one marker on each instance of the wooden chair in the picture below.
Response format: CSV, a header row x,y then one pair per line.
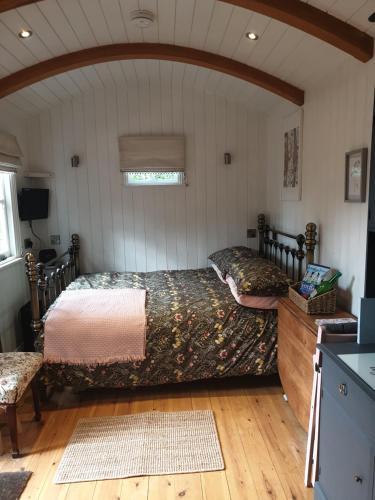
x,y
17,372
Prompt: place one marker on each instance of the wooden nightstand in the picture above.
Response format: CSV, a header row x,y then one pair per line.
x,y
297,333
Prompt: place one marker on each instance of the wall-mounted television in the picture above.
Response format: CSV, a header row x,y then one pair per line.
x,y
33,204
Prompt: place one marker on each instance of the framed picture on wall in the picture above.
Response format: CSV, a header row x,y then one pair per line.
x,y
355,175
292,158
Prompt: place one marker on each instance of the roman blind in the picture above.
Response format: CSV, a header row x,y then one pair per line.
x,y
153,153
10,153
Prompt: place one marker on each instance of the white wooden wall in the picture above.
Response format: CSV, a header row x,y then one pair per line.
x,y
13,295
337,119
149,228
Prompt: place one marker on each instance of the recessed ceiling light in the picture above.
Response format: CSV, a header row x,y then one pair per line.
x,y
142,18
25,33
252,36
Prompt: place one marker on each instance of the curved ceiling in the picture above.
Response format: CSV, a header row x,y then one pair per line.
x,y
64,26
315,22
296,13
126,51
169,79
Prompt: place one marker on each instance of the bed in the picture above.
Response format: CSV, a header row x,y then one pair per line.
x,y
196,329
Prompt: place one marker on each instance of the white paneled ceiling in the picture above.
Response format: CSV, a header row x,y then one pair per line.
x,y
139,73
63,26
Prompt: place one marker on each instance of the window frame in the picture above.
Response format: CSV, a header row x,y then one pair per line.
x,y
181,179
4,215
13,230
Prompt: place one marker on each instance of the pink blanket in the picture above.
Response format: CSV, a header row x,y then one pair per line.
x,y
96,327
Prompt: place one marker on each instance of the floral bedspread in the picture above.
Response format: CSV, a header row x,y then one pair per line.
x,y
196,330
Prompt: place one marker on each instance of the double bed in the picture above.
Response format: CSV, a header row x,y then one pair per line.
x,y
195,328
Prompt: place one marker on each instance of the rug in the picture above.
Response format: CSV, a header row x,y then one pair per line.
x,y
152,443
12,484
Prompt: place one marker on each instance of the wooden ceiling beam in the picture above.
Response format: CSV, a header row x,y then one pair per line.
x,y
14,4
295,13
315,22
123,51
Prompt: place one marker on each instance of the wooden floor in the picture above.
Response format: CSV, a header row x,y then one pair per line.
x,y
262,443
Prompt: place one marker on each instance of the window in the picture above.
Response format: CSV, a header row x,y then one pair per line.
x,y
9,224
154,178
152,160
4,231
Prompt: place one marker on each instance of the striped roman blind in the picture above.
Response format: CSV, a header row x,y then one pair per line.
x,y
152,153
10,153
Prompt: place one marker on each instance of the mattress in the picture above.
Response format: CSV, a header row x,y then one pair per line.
x,y
195,330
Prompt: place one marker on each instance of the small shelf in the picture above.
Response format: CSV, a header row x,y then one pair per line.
x,y
40,175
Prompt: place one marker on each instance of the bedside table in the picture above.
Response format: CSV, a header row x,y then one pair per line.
x,y
297,333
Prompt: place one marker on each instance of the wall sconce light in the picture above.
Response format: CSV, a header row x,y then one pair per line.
x,y
75,161
227,158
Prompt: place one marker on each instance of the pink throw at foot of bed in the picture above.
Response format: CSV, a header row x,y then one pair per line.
x,y
96,327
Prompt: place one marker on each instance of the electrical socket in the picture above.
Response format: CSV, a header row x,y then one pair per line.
x,y
251,233
55,239
27,243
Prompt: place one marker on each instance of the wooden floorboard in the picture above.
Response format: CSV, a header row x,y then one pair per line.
x,y
263,445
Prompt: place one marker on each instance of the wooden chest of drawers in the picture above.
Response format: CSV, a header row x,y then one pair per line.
x,y
296,345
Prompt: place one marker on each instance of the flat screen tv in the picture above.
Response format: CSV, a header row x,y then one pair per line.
x,y
33,204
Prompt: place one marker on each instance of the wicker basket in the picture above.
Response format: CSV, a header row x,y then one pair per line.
x,y
322,304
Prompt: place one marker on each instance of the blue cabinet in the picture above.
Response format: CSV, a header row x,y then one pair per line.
x,y
347,431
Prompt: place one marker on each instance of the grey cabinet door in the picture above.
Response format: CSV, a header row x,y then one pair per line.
x,y
346,455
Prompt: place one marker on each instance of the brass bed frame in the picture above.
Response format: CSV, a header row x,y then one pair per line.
x,y
44,290
290,260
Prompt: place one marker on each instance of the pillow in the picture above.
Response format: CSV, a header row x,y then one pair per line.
x,y
252,300
258,277
218,272
223,258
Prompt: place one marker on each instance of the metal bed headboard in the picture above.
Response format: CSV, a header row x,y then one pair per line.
x,y
289,259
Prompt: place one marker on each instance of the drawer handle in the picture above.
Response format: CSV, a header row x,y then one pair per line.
x,y
343,389
357,479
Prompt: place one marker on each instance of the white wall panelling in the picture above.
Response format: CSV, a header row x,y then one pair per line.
x,y
337,119
13,295
149,228
84,111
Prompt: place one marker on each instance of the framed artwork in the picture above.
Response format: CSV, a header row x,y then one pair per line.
x,y
292,158
355,175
